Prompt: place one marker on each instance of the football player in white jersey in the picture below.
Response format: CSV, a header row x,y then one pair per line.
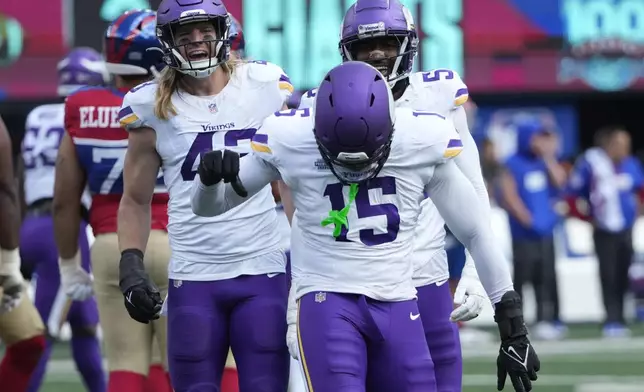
x,y
44,131
358,321
227,281
383,34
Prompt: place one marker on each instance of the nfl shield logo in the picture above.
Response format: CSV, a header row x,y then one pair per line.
x,y
212,107
320,297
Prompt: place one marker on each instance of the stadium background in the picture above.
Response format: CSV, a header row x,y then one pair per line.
x,y
575,63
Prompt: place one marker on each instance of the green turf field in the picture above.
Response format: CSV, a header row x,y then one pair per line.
x,y
584,363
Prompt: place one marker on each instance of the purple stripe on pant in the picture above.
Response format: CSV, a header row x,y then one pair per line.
x,y
247,313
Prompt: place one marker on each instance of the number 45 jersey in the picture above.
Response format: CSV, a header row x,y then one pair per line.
x,y
91,120
201,246
439,91
372,257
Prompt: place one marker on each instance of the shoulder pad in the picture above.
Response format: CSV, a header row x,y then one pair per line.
x,y
433,132
443,82
143,94
307,100
265,72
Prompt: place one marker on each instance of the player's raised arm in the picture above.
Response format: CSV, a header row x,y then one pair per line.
x,y
212,197
140,172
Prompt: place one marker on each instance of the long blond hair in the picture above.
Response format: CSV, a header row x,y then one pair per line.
x,y
168,82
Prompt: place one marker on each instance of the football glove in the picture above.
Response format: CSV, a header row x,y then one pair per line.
x,y
291,321
217,166
76,282
470,296
11,280
142,298
517,357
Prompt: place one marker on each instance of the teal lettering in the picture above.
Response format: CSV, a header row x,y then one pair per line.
x,y
444,46
112,9
596,19
324,35
263,23
295,36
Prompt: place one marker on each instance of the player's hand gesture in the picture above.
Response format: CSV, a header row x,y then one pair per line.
x,y
142,298
77,283
217,166
517,357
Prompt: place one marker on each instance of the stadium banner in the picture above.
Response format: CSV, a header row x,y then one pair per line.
x,y
538,46
541,46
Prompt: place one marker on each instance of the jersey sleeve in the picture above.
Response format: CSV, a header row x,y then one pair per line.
x,y
266,72
137,106
308,99
446,86
265,139
442,141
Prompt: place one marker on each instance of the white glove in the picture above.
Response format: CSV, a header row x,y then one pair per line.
x,y
76,282
470,296
291,321
11,280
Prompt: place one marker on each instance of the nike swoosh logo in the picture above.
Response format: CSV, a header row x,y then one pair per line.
x,y
512,353
414,316
442,282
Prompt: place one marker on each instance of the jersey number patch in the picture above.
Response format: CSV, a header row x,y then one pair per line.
x,y
438,74
365,209
204,143
40,146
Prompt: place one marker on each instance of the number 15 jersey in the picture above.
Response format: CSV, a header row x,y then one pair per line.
x,y
372,257
234,243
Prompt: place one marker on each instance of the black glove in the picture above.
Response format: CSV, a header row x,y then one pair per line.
x,y
218,165
517,357
142,299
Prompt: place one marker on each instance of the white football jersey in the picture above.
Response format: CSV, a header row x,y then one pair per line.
x,y
438,91
372,257
231,244
44,129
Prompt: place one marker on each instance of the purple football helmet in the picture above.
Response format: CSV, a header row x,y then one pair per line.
x,y
201,57
354,121
81,67
382,20
236,36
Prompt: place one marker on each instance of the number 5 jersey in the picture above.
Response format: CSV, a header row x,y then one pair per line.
x,y
201,246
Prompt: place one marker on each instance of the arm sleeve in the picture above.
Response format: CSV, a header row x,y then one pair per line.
x,y
285,87
254,173
451,192
131,115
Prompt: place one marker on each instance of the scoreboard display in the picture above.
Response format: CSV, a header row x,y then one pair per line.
x,y
543,46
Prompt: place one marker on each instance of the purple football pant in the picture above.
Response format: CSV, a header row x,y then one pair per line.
x,y
38,252
247,314
435,305
351,343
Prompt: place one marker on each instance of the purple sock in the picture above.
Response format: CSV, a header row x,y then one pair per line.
x,y
41,369
87,355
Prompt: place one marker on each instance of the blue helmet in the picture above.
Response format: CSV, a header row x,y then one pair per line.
x,y
354,121
81,67
198,59
131,46
389,20
236,36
